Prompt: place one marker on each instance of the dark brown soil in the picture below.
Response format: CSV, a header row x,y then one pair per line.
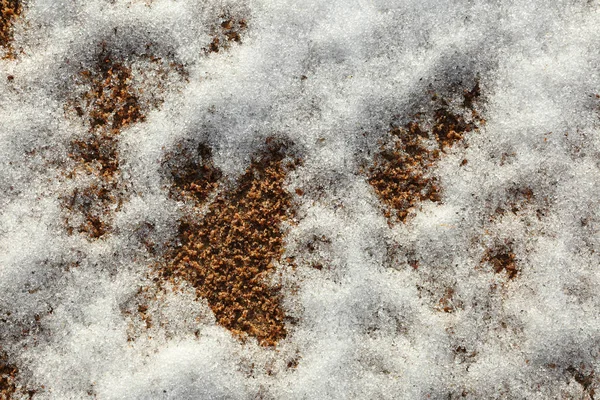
x,y
519,199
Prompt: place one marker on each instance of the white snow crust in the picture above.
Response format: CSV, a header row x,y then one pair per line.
x,y
329,75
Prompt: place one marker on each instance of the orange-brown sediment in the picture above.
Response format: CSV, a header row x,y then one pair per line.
x,y
194,175
228,255
110,104
401,174
10,10
229,30
8,375
502,259
8,381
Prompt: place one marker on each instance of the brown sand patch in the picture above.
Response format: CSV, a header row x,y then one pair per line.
x,y
9,389
448,303
228,255
194,175
8,374
111,103
502,259
401,174
229,30
10,11
586,379
517,198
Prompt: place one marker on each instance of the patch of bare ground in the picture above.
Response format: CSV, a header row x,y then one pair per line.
x,y
193,174
110,102
9,388
502,259
517,202
586,378
8,374
10,11
448,303
403,176
228,254
228,30
402,172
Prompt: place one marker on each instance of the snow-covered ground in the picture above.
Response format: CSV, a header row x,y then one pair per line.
x,y
401,263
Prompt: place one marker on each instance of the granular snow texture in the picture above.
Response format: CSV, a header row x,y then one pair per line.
x,y
320,199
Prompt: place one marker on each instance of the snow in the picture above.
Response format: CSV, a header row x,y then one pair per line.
x,y
331,76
